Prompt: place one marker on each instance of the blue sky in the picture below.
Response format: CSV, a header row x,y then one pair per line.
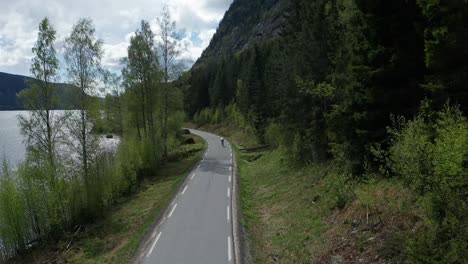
x,y
115,20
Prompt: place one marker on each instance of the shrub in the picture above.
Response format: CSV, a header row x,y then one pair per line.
x,y
275,135
430,152
13,227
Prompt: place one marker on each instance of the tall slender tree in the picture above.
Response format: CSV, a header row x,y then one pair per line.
x,y
170,48
42,129
83,52
141,74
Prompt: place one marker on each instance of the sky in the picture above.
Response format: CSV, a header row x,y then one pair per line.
x,y
114,20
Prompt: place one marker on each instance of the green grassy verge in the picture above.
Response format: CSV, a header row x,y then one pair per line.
x,y
312,214
280,209
115,237
301,214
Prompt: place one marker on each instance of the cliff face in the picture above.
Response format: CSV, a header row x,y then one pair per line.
x,y
245,23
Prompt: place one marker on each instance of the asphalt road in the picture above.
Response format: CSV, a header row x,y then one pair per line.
x,y
197,228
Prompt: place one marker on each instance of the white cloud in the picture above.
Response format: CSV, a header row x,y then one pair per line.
x,y
115,20
15,40
113,53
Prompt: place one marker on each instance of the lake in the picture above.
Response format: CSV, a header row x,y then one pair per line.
x,y
11,140
12,146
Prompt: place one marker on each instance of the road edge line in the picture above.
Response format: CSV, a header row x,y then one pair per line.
x,y
235,205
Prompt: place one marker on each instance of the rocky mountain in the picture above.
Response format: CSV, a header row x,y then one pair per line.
x,y
245,23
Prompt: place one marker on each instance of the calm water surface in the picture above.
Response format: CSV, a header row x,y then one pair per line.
x,y
11,140
12,146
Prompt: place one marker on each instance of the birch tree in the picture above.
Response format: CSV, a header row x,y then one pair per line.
x,y
141,74
83,53
170,49
42,130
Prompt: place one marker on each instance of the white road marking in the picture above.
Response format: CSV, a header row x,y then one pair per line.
x,y
231,154
184,189
172,211
229,249
229,178
198,167
229,192
193,175
154,244
230,168
228,214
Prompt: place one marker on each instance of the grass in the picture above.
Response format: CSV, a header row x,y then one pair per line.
x,y
115,238
281,216
300,214
313,214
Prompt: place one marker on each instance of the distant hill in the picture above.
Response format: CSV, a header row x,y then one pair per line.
x,y
11,85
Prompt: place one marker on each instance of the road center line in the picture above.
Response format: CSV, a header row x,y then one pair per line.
x,y
228,214
183,191
154,244
229,249
172,211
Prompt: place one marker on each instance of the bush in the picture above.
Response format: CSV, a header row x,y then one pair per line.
x,y
430,152
275,135
13,227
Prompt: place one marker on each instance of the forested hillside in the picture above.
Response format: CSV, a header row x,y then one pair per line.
x,y
337,72
379,87
11,85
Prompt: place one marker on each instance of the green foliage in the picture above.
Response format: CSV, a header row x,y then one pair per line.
x,y
330,84
13,229
275,135
69,177
445,40
431,155
230,116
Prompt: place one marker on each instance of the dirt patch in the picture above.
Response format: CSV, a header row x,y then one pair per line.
x,y
370,231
